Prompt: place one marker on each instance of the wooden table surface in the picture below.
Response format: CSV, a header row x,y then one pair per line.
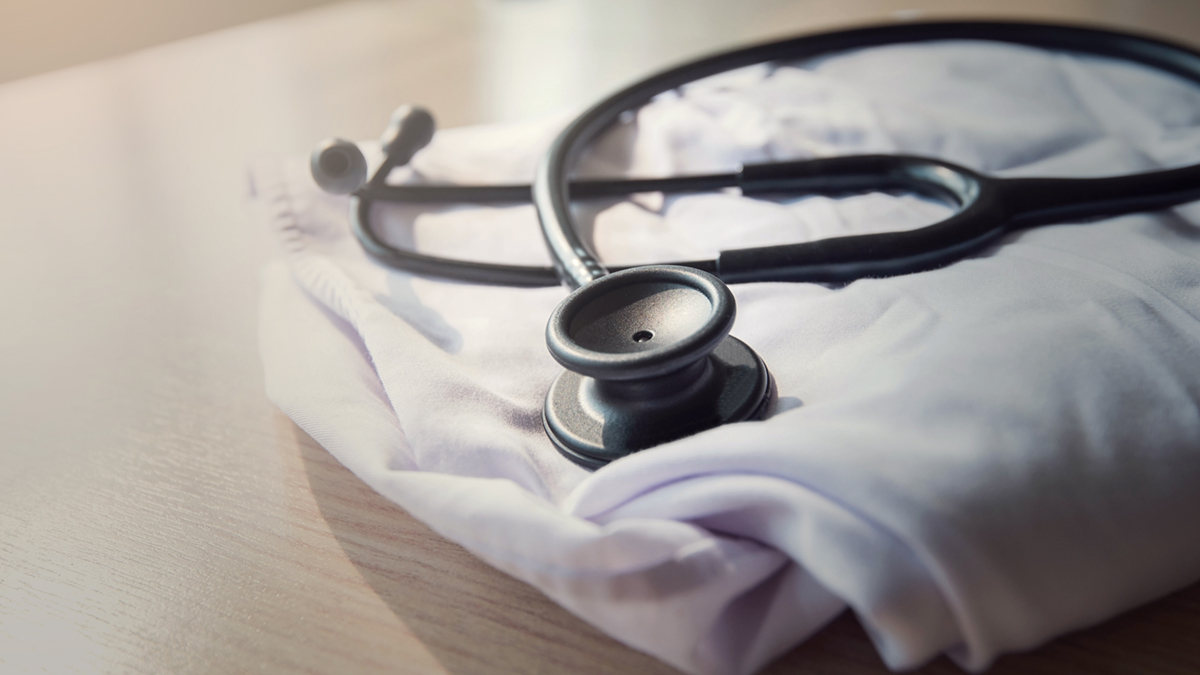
x,y
157,514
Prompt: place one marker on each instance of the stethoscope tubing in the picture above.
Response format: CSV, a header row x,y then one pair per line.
x,y
987,207
577,265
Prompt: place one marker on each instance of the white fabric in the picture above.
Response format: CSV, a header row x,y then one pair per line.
x,y
974,459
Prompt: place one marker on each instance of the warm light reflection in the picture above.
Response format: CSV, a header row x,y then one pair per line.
x,y
37,36
540,57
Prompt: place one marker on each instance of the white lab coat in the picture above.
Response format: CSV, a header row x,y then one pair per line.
x,y
974,459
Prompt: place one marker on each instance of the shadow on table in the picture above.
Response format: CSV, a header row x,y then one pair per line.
x,y
475,619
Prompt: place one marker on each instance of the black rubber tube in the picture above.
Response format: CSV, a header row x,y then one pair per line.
x,y
577,265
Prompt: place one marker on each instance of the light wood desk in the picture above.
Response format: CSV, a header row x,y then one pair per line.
x,y
157,514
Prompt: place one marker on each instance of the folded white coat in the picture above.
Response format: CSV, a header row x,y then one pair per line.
x,y
974,459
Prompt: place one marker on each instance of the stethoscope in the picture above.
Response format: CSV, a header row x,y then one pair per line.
x,y
647,349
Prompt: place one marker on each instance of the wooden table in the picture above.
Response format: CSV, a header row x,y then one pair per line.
x,y
157,514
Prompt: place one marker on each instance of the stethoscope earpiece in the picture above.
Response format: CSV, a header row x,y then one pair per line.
x,y
649,360
338,166
409,129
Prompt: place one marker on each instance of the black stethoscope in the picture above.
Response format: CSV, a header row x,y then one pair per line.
x,y
647,350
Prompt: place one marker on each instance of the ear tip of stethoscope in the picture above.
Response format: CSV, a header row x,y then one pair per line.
x,y
410,128
409,112
338,166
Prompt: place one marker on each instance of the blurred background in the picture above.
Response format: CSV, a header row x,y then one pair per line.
x,y
609,40
42,35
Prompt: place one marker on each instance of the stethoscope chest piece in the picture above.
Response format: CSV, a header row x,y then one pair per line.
x,y
649,360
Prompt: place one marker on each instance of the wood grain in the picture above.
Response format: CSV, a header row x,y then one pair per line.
x,y
157,514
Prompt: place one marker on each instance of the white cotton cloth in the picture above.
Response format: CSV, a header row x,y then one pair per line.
x,y
974,459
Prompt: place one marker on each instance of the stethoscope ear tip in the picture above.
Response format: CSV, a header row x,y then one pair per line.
x,y
649,360
338,166
409,129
